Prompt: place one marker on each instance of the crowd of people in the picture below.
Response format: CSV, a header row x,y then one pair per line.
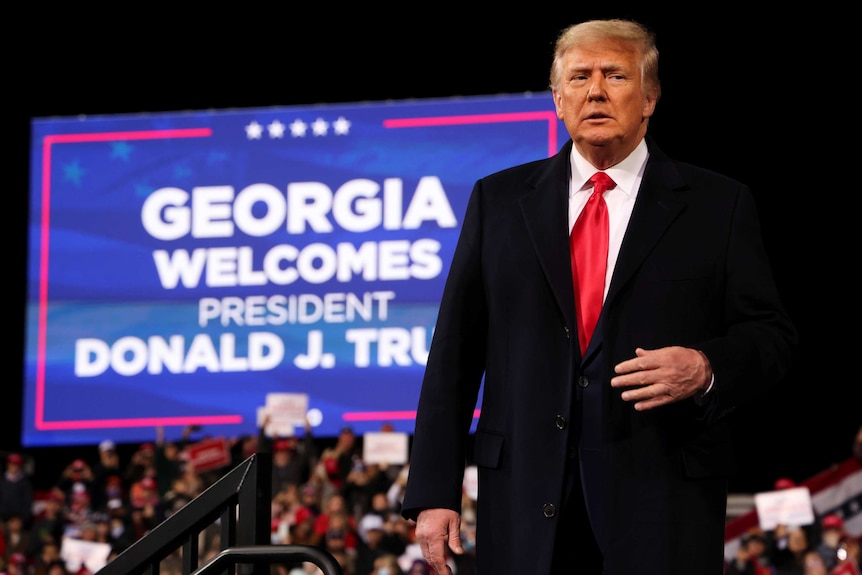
x,y
820,548
324,494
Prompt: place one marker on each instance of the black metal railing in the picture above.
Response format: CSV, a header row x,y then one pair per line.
x,y
239,503
266,555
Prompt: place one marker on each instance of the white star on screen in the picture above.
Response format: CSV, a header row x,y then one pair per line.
x,y
298,128
275,129
253,131
341,126
319,127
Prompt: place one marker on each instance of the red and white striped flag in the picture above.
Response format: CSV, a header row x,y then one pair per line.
x,y
838,490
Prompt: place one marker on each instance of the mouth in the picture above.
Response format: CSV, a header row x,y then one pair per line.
x,y
596,116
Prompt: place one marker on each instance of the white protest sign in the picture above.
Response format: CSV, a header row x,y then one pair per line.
x,y
91,554
471,482
389,447
784,507
285,411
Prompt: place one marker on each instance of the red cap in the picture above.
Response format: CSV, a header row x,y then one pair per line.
x,y
283,445
784,483
832,521
79,464
148,483
301,515
15,458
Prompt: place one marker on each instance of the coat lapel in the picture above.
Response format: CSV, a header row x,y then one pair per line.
x,y
657,206
545,208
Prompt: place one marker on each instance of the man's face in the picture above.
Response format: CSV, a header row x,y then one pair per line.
x,y
601,98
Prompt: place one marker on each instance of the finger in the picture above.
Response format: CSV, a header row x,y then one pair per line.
x,y
455,541
435,555
634,364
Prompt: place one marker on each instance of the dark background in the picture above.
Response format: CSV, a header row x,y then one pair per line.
x,y
752,96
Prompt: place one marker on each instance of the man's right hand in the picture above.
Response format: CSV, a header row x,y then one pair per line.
x,y
435,530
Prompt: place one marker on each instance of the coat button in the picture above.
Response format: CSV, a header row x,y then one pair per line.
x,y
560,421
568,332
583,382
548,510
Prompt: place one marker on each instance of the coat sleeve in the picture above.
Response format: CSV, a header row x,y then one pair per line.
x,y
760,339
453,376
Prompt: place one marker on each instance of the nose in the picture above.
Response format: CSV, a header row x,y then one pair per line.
x,y
597,89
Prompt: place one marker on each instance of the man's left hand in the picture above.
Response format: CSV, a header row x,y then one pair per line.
x,y
656,377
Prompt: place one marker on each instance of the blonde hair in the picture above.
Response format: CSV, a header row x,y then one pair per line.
x,y
638,35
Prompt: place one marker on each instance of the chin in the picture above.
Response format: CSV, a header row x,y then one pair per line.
x,y
599,141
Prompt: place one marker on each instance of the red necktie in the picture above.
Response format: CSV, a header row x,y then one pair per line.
x,y
589,249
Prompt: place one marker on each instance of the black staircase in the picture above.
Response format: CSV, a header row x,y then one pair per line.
x,y
240,502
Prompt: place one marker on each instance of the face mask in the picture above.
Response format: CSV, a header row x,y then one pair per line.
x,y
831,539
383,571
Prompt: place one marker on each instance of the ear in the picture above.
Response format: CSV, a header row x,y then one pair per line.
x,y
649,105
558,103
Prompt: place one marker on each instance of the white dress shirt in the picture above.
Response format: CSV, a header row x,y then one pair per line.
x,y
620,200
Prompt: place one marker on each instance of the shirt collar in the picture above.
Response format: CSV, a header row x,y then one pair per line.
x,y
625,174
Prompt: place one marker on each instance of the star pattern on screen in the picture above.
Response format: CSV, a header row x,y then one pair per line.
x,y
298,128
121,150
73,172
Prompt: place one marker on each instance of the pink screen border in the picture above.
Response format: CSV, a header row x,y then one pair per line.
x,y
231,419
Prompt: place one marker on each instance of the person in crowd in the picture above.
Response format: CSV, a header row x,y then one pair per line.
x,y
813,564
751,558
395,493
386,564
420,567
168,459
16,537
107,481
141,464
812,529
16,490
605,425
340,542
17,564
56,567
48,554
379,505
142,520
292,458
120,532
361,484
49,525
375,541
145,492
338,461
302,528
788,550
76,479
242,447
77,511
335,511
310,498
832,531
